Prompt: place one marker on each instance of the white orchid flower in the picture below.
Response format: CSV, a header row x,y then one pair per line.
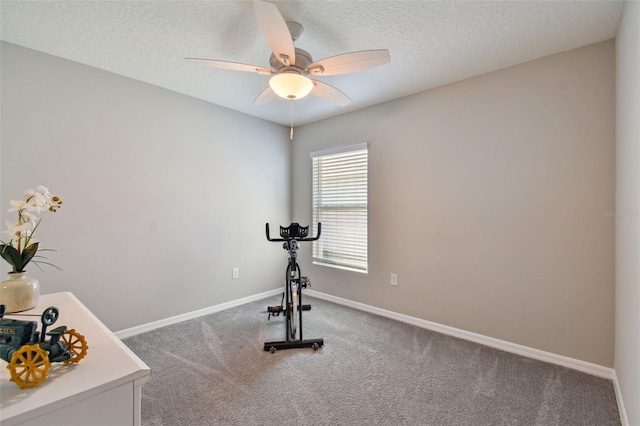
x,y
40,200
37,202
44,191
18,205
28,217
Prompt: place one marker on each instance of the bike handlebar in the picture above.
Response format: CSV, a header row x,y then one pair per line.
x,y
296,237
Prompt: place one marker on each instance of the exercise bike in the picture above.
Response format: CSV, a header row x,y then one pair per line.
x,y
291,304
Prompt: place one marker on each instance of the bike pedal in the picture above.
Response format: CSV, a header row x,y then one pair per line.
x,y
305,282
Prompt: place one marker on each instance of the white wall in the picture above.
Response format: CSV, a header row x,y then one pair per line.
x,y
163,194
627,338
487,197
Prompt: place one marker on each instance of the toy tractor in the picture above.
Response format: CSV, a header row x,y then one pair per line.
x,y
28,352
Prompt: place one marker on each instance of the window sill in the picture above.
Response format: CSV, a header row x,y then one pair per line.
x,y
345,268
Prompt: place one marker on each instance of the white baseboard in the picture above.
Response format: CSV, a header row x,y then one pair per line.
x,y
576,364
623,412
195,314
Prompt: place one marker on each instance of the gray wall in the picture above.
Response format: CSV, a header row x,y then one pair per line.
x,y
487,197
627,339
163,194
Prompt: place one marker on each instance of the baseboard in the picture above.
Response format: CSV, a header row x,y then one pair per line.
x,y
624,420
576,364
195,314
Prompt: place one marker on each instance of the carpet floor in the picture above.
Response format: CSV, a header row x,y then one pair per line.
x,y
372,370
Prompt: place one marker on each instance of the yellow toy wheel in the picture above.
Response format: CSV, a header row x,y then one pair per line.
x,y
29,366
77,344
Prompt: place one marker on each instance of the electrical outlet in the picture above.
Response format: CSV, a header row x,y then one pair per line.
x,y
235,273
394,279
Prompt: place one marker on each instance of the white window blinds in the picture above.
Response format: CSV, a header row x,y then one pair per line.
x,y
340,204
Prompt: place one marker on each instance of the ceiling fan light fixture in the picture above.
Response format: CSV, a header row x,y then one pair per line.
x,y
291,85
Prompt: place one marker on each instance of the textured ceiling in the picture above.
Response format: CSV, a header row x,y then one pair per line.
x,y
431,43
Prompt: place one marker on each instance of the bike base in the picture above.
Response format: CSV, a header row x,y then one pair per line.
x,y
294,344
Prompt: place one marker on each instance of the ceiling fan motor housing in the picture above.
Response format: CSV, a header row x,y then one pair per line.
x,y
303,60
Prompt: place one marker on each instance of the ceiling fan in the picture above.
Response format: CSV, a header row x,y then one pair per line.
x,y
292,66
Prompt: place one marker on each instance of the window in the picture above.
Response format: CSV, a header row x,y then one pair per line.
x,y
340,204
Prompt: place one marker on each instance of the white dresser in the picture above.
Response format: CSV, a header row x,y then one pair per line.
x,y
102,389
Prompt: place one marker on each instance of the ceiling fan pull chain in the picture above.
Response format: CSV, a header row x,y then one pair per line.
x,y
291,133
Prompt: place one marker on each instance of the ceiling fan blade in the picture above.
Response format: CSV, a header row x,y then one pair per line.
x,y
329,93
275,31
266,96
230,65
350,62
